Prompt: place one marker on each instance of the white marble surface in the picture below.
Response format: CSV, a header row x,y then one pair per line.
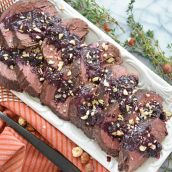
x,y
153,14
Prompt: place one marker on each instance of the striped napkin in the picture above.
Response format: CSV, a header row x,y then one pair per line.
x,y
17,155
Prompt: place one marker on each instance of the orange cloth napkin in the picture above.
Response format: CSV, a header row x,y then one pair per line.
x,y
17,155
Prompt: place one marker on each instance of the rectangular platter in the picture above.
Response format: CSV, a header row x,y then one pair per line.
x,y
147,79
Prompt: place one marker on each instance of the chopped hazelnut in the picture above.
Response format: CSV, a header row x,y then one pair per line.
x,y
41,79
51,62
84,117
105,83
22,122
95,79
72,42
119,133
37,30
153,147
69,73
142,148
125,92
131,121
60,35
29,128
89,168
77,152
60,65
111,60
105,46
85,158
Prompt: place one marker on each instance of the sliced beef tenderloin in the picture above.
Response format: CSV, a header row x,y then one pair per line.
x,y
25,25
6,37
8,78
110,54
143,105
60,86
29,70
28,79
86,109
108,133
94,60
141,142
29,5
76,26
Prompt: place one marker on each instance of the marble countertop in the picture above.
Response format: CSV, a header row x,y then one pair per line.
x,y
155,15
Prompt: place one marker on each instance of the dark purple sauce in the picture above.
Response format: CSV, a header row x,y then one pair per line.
x,y
34,23
89,106
139,138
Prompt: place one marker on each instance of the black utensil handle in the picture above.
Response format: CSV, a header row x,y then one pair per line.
x,y
54,156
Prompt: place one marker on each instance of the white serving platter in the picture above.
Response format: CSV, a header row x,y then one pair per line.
x,y
148,80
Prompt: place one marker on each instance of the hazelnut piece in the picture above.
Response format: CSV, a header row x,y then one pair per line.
x,y
77,152
85,158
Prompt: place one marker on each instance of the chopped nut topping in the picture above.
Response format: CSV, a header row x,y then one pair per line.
x,y
51,62
61,35
37,30
72,42
96,79
105,46
153,147
105,83
125,92
41,79
60,65
84,117
69,73
110,60
77,152
11,67
120,118
131,121
101,101
142,148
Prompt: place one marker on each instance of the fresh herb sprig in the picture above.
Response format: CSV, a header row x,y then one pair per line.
x,y
147,46
97,15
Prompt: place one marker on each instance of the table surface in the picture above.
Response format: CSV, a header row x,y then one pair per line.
x,y
155,15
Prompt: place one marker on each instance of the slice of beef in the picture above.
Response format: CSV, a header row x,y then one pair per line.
x,y
76,26
145,105
110,54
30,70
108,142
86,110
8,78
17,38
47,98
96,56
6,37
131,157
102,133
29,5
60,87
28,80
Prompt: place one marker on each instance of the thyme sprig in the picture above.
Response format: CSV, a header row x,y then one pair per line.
x,y
147,46
97,15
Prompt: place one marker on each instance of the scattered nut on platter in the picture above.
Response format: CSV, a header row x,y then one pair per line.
x,y
77,152
85,157
22,122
